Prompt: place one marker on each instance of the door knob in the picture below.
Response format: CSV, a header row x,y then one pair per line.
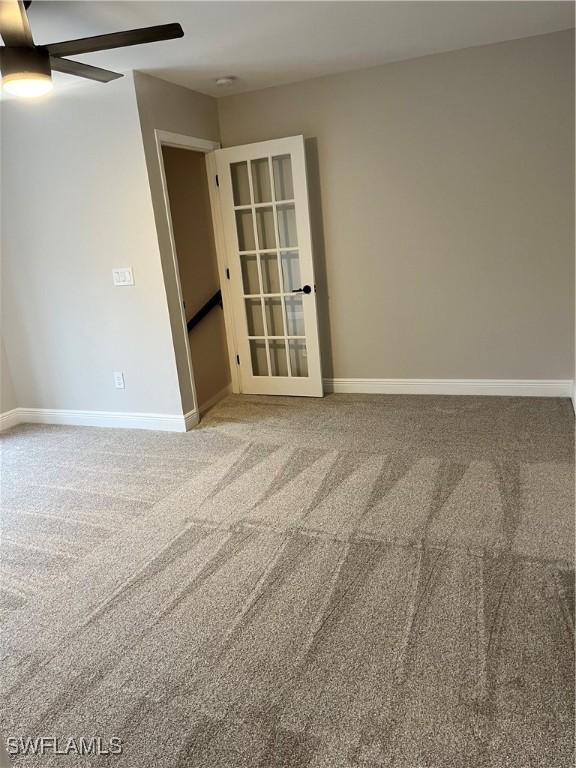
x,y
305,289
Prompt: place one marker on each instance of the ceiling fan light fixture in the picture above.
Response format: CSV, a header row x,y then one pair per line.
x,y
26,85
26,68
26,72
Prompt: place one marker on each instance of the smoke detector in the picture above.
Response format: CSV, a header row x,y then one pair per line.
x,y
226,81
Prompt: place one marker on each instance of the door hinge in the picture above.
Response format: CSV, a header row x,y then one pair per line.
x,y
217,181
237,359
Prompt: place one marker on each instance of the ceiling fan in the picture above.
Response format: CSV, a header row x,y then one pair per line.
x,y
27,68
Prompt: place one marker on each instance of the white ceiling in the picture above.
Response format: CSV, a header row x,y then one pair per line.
x,y
268,43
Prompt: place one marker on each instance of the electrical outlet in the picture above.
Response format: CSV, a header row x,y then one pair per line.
x,y
119,380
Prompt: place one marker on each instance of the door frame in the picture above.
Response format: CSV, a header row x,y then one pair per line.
x,y
182,141
222,261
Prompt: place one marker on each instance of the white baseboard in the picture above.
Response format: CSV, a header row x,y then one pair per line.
x,y
191,419
215,399
155,421
184,422
9,419
510,387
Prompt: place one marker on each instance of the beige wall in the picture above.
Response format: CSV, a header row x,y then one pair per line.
x,y
442,195
443,199
167,107
8,399
75,204
192,223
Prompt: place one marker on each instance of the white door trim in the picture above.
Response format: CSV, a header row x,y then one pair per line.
x,y
222,260
168,139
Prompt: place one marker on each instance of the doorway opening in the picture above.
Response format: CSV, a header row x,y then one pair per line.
x,y
239,223
186,184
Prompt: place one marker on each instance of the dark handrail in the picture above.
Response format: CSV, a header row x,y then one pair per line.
x,y
203,311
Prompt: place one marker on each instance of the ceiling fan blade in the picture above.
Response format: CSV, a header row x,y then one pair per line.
x,y
70,67
14,26
116,40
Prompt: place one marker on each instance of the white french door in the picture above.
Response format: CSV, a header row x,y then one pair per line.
x,y
263,197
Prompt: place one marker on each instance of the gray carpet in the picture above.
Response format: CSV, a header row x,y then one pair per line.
x,y
354,582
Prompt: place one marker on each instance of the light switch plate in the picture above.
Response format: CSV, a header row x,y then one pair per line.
x,y
123,276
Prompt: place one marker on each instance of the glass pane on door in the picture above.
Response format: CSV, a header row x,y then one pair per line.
x,y
290,261
254,317
263,196
287,226
294,316
298,357
266,229
278,362
240,183
274,321
261,180
250,278
259,357
270,276
283,187
245,227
